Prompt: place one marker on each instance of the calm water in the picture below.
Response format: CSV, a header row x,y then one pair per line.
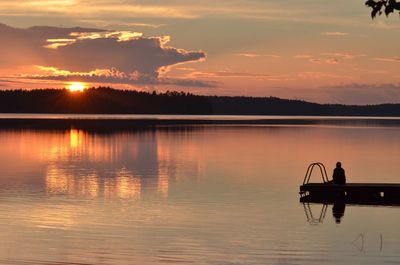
x,y
191,195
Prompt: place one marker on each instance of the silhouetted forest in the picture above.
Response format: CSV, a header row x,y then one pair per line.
x,y
104,100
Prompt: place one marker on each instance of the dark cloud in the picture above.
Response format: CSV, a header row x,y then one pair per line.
x,y
84,50
10,82
226,74
356,93
129,80
26,46
144,55
353,93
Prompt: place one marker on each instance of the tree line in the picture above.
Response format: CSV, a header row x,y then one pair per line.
x,y
105,100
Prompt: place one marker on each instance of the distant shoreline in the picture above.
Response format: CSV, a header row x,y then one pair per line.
x,y
188,117
119,122
105,100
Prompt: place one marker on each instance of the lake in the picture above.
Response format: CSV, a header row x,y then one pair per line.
x,y
201,194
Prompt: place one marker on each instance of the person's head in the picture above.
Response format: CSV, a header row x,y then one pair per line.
x,y
338,164
338,210
338,219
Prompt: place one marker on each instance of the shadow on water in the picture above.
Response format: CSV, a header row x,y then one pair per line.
x,y
105,127
107,124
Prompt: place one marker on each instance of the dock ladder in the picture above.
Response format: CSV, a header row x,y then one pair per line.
x,y
310,169
309,172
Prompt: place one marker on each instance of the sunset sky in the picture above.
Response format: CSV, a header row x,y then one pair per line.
x,y
321,51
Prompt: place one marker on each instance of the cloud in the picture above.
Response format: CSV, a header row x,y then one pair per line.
x,y
113,76
255,55
325,61
91,8
5,81
14,83
137,24
117,23
82,52
12,80
322,12
342,55
335,33
229,74
225,74
351,93
290,11
321,75
390,59
333,57
359,93
302,56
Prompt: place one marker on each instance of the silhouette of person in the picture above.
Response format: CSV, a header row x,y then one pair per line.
x,y
339,176
338,210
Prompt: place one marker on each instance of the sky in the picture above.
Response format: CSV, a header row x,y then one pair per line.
x,y
321,51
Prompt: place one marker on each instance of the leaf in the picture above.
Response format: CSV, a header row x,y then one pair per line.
x,y
389,9
370,3
375,10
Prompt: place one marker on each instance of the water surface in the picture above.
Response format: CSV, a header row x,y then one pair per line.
x,y
191,195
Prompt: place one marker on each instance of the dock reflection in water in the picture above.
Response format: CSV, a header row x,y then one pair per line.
x,y
339,206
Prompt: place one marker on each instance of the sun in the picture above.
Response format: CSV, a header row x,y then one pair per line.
x,y
76,86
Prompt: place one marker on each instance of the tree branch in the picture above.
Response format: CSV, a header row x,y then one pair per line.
x,y
380,6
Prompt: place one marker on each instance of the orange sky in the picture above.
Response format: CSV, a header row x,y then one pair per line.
x,y
325,51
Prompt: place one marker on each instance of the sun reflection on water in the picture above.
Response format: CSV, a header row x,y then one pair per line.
x,y
125,186
59,182
78,163
76,137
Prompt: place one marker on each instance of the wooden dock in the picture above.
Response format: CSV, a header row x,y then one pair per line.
x,y
357,193
379,192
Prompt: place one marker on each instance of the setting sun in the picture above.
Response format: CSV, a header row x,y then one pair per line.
x,y
76,86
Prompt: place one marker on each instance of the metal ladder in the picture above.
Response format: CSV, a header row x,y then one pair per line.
x,y
309,214
310,169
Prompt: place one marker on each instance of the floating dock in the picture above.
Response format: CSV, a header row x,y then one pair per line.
x,y
357,193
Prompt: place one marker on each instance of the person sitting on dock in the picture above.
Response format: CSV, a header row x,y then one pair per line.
x,y
339,176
